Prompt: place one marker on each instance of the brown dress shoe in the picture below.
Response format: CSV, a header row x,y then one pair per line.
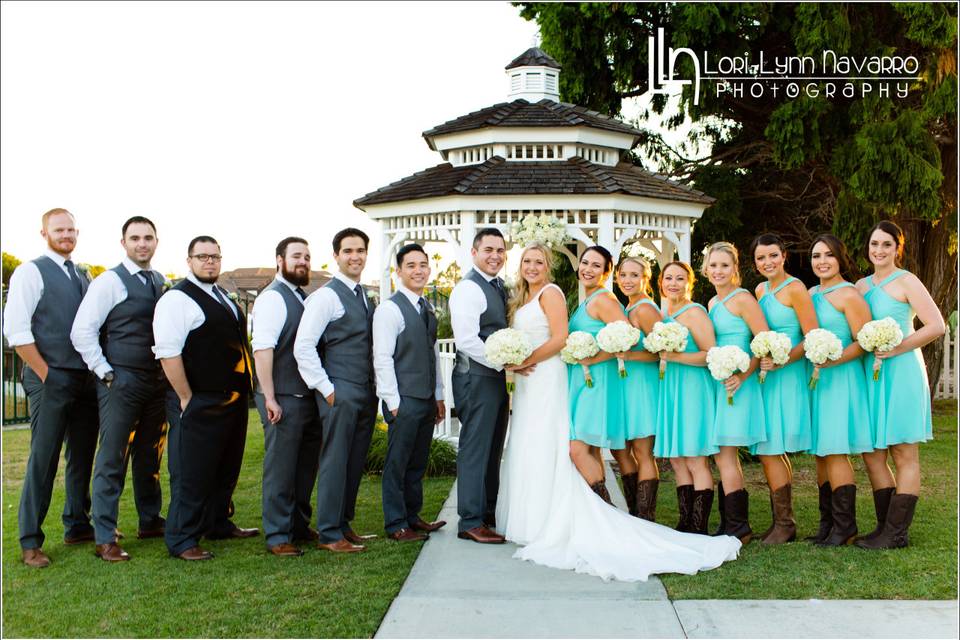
x,y
195,553
111,552
407,535
285,550
429,527
78,538
341,546
310,535
236,532
481,535
35,558
354,538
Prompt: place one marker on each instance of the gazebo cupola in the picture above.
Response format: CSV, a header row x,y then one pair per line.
x,y
534,76
535,155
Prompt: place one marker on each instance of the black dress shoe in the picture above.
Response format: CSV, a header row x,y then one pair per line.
x,y
236,532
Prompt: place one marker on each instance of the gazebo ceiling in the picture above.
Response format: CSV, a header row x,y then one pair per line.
x,y
520,113
497,176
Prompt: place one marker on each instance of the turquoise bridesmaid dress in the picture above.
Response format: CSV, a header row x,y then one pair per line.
x,y
596,414
741,424
686,406
900,399
840,415
786,396
642,389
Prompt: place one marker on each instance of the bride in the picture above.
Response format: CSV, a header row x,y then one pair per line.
x,y
544,503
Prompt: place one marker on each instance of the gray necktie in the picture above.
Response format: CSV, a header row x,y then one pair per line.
x,y
223,301
423,311
72,274
301,293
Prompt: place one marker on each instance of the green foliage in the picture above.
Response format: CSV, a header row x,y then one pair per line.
x,y
442,460
10,262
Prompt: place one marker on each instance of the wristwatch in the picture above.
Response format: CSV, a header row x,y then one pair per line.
x,y
107,378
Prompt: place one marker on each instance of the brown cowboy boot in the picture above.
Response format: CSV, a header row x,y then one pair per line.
x,y
899,517
600,488
721,509
700,514
844,511
630,492
647,499
737,509
685,507
826,517
881,504
784,525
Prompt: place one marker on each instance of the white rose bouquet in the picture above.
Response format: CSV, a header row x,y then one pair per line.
x,y
880,335
544,229
666,336
617,337
723,362
506,347
580,345
819,346
773,345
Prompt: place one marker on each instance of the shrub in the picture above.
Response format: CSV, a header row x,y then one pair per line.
x,y
442,460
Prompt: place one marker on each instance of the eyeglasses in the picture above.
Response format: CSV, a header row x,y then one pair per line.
x,y
204,257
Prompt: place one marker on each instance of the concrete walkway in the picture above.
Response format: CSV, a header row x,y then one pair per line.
x,y
459,589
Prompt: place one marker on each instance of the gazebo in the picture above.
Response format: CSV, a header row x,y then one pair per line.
x,y
534,155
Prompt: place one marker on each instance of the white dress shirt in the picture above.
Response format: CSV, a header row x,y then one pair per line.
x,y
23,296
322,307
177,315
467,304
102,296
269,314
387,325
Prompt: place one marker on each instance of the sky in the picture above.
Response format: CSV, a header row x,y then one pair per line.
x,y
245,121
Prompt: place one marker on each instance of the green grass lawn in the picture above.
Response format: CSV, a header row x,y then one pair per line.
x,y
927,569
243,592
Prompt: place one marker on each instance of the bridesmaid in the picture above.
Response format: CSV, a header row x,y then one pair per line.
x,y
787,306
840,414
687,401
638,468
596,414
900,399
736,318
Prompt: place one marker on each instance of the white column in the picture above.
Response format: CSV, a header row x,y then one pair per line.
x,y
684,248
385,251
605,235
468,229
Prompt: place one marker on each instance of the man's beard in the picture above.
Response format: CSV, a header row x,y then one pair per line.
x,y
293,278
206,279
56,248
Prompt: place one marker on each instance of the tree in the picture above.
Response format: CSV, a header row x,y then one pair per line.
x,y
796,166
10,262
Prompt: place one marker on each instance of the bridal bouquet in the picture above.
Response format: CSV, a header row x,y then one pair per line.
x,y
819,346
773,345
723,362
544,229
617,337
580,345
666,336
506,347
880,335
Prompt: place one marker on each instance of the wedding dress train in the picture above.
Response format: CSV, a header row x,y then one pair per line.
x,y
545,504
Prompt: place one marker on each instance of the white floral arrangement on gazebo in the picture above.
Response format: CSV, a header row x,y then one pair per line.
x,y
545,229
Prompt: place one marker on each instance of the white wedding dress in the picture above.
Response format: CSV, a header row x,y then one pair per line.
x,y
545,504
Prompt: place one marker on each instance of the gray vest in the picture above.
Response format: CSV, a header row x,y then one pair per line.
x,y
492,320
55,313
346,346
286,376
414,359
126,336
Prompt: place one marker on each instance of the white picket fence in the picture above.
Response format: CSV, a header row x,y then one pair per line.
x,y
947,383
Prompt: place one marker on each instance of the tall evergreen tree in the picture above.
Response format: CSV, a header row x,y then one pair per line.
x,y
795,166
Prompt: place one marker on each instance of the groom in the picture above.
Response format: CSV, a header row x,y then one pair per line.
x,y
478,309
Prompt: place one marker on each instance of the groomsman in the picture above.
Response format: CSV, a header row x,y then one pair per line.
x,y
291,425
201,342
43,299
406,359
333,350
113,334
478,308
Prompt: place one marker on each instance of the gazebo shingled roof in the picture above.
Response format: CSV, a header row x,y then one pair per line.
x,y
520,113
533,57
497,176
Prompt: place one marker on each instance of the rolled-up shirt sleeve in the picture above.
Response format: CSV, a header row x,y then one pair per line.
x,y
321,308
269,315
175,317
467,304
23,296
102,296
387,325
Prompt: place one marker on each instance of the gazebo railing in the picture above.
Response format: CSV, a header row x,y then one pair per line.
x,y
449,428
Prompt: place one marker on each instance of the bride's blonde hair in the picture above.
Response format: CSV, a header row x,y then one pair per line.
x,y
522,289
